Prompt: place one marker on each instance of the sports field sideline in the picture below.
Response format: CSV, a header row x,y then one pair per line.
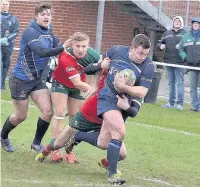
x,y
162,144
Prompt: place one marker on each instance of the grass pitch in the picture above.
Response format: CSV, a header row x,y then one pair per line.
x,y
163,150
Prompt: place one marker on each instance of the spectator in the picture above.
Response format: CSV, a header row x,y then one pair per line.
x,y
189,50
170,41
9,31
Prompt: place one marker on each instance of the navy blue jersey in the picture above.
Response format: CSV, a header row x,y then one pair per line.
x,y
29,64
120,60
9,27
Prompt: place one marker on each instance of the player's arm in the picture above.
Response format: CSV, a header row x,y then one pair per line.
x,y
91,69
82,86
31,37
143,85
131,109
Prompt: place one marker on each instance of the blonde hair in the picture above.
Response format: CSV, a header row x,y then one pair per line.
x,y
80,36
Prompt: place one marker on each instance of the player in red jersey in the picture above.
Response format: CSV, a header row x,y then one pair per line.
x,y
69,80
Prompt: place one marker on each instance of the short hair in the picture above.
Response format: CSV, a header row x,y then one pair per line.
x,y
42,6
141,40
80,36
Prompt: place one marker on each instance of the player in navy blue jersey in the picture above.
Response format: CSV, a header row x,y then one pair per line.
x,y
37,44
133,57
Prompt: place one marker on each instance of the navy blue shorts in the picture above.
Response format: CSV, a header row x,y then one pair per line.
x,y
21,89
105,104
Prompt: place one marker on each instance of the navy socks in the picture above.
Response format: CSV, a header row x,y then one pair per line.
x,y
113,155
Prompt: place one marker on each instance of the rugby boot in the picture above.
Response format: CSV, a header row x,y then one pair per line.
x,y
40,157
71,158
6,145
103,163
116,179
37,147
56,156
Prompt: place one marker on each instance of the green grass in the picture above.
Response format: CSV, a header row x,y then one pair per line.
x,y
155,155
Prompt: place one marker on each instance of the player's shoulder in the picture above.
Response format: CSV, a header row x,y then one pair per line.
x,y
93,52
119,47
148,61
65,56
30,31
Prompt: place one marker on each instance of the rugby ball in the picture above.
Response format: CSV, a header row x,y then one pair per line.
x,y
129,76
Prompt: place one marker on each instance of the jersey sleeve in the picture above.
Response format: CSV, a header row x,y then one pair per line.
x,y
56,41
31,37
146,76
69,64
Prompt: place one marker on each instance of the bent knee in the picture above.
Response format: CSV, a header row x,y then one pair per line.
x,y
102,145
20,118
119,135
47,114
58,145
123,155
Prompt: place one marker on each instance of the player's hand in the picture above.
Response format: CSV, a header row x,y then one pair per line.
x,y
68,42
122,102
119,82
105,64
91,91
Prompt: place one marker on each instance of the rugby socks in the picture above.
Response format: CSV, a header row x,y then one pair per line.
x,y
113,156
42,127
89,137
7,127
50,147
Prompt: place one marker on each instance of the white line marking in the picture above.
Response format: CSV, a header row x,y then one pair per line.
x,y
165,129
158,181
10,102
154,180
144,125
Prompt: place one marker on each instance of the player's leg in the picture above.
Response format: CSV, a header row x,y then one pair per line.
x,y
88,131
65,137
19,115
74,105
41,97
75,101
113,119
20,103
59,96
103,142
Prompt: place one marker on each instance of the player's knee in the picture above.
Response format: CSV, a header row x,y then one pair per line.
x,y
123,155
47,114
119,135
58,144
101,144
21,117
60,112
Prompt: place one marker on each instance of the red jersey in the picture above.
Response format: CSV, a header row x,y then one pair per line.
x,y
89,108
67,69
